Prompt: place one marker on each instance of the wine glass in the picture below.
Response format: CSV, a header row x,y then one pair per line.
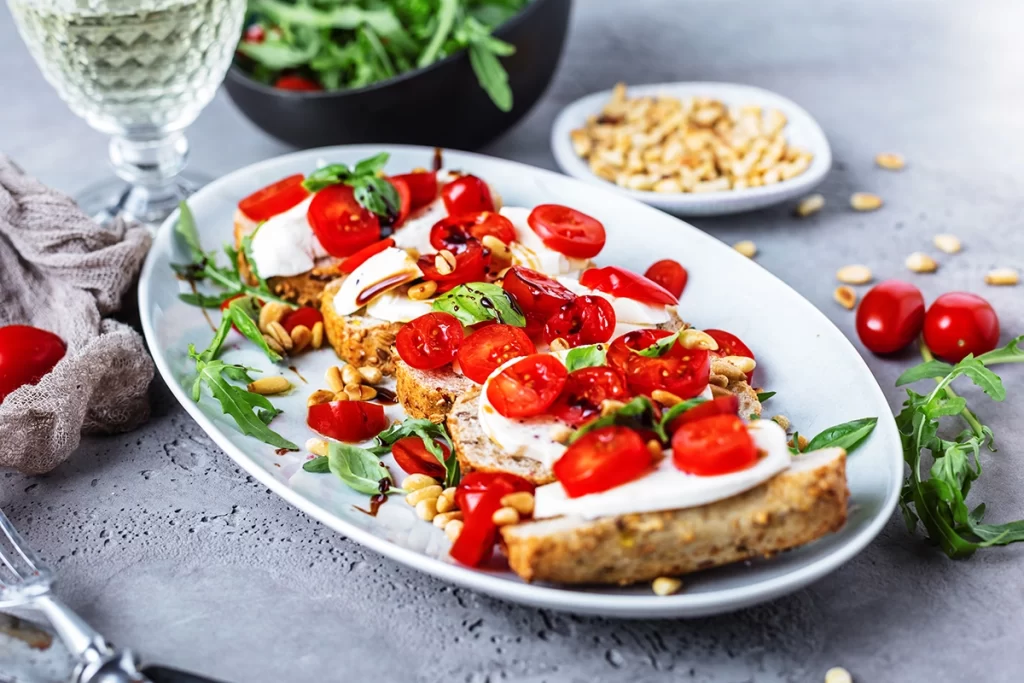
x,y
140,71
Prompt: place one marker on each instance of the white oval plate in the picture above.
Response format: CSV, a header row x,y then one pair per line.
x,y
798,349
801,130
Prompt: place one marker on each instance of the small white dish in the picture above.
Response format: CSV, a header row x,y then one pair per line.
x,y
801,130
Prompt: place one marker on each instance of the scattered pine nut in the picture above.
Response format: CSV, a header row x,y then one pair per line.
x,y
432,491
354,392
558,344
521,501
415,482
277,331
342,396
317,338
319,396
854,275
666,585
452,529
845,296
609,406
1006,277
271,312
498,249
350,375
505,516
442,518
316,446
717,391
371,375
301,336
809,205
367,393
947,243
745,364
865,201
654,449
802,441
423,290
692,338
919,262
782,421
665,398
273,343
444,503
838,674
746,247
560,433
268,386
334,380
890,161
426,509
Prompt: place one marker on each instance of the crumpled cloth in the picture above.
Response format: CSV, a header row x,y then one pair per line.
x,y
62,272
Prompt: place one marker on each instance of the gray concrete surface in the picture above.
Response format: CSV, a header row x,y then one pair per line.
x,y
164,544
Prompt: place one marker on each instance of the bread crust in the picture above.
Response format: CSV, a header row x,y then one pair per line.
x,y
357,339
429,393
792,509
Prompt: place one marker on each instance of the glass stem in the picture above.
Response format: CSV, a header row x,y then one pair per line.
x,y
151,168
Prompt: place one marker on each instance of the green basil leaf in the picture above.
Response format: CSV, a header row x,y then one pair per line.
x,y
360,469
331,174
479,301
659,348
430,433
371,165
637,414
764,396
590,356
376,194
677,410
848,435
318,465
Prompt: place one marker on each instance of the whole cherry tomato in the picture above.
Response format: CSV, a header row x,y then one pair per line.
x,y
454,231
340,223
715,445
467,194
479,496
670,275
731,345
584,320
350,421
422,186
567,231
471,261
357,259
297,83
26,354
304,315
430,341
601,460
627,284
959,323
490,347
538,296
890,316
414,458
528,387
275,198
585,389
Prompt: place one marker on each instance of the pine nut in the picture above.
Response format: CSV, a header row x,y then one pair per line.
x,y
341,396
809,205
278,332
716,380
692,338
801,441
665,585
319,396
838,674
919,262
717,391
560,433
609,406
665,398
432,491
442,518
452,529
449,493
854,275
427,509
354,392
558,344
890,161
1006,277
445,262
334,380
654,448
367,393
423,290
301,336
415,482
271,312
845,296
371,375
317,339
316,446
445,504
269,385
272,343
947,243
865,201
746,247
520,501
745,364
499,250
505,516
782,421
350,375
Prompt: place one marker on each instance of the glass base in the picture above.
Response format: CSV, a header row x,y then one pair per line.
x,y
114,198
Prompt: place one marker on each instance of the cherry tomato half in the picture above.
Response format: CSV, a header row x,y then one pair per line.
x,y
454,231
305,315
467,194
490,347
26,354
601,460
719,444
731,345
528,387
538,296
567,231
297,83
627,284
430,341
340,223
273,199
584,320
720,405
471,261
479,496
414,458
670,275
622,348
683,372
580,400
422,187
350,421
959,323
357,259
404,200
890,316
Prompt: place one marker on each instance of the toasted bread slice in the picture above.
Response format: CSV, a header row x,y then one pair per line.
x,y
357,339
795,507
429,393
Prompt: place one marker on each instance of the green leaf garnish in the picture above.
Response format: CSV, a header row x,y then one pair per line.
x,y
848,435
371,191
638,414
677,410
592,355
477,302
317,465
764,396
430,433
658,348
360,469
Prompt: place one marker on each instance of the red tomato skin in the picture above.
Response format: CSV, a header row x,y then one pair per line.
x,y
350,421
585,389
490,347
890,316
467,194
26,354
454,231
683,372
471,262
625,283
342,226
584,320
254,34
731,345
430,341
619,351
538,296
567,231
297,84
404,201
528,387
422,187
958,324
670,275
360,257
720,405
479,496
601,460
304,315
716,445
276,198
414,458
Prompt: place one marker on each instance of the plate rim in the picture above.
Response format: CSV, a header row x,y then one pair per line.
x,y
683,605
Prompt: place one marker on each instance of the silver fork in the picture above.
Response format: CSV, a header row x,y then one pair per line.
x,y
27,582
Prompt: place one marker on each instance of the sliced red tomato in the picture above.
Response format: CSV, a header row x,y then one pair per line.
x,y
715,445
413,457
528,387
430,341
471,261
601,460
422,187
538,296
455,231
479,496
350,421
305,315
958,323
467,194
584,320
731,345
720,405
26,354
670,275
567,231
683,372
357,259
585,389
340,223
404,200
297,83
627,284
621,349
490,347
275,198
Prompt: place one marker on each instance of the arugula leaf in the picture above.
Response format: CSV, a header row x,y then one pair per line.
x,y
279,54
244,312
205,300
928,370
677,410
794,446
347,16
658,348
1011,353
186,228
213,350
637,414
360,469
476,302
764,396
848,435
592,355
317,465
491,74
430,433
445,21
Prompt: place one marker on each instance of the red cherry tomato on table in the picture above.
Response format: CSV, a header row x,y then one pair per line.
x,y
585,389
26,354
528,387
567,231
404,200
959,323
890,316
715,445
490,347
414,458
340,223
670,275
471,261
305,315
454,231
720,405
731,345
683,372
538,296
430,341
350,421
601,460
467,194
627,284
422,187
273,199
360,257
479,496
297,84
584,320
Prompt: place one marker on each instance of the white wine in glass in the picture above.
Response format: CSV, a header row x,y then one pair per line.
x,y
140,71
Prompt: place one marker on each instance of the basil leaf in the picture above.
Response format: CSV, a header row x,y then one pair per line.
x,y
371,165
928,370
331,174
244,312
764,396
186,228
659,348
637,414
590,356
376,194
479,301
317,465
430,433
848,435
794,446
360,469
677,410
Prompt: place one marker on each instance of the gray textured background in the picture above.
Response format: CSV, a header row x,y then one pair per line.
x,y
164,544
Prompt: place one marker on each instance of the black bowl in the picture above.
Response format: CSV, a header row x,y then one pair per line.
x,y
441,105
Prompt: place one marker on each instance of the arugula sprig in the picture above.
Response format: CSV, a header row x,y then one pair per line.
x,y
937,500
373,192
